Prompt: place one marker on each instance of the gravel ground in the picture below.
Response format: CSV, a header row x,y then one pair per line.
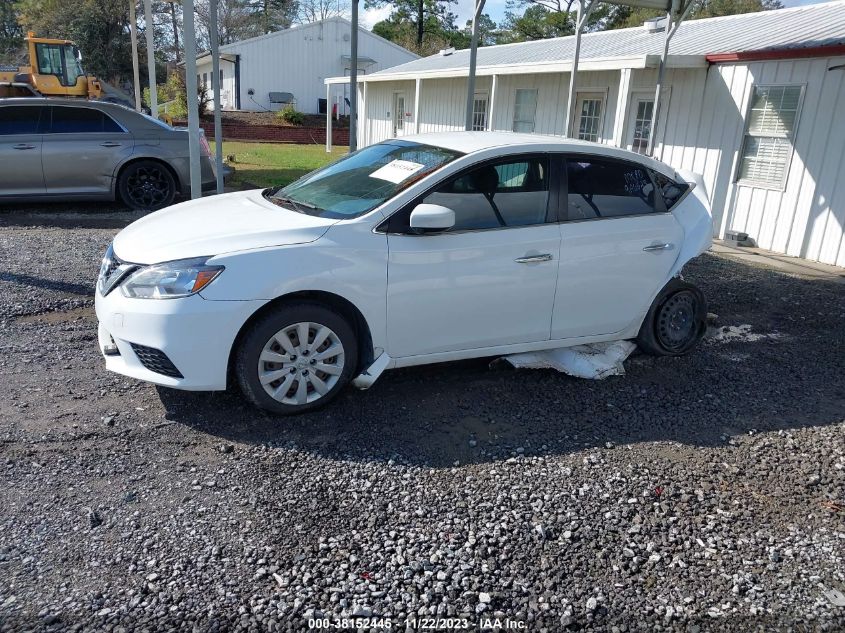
x,y
704,493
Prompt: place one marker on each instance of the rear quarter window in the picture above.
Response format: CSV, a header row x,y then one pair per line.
x,y
671,190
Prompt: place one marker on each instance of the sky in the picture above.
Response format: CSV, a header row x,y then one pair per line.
x,y
496,10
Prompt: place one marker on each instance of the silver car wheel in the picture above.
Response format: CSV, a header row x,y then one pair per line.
x,y
301,363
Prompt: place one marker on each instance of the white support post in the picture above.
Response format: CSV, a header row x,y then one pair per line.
x,y
149,29
189,37
585,8
365,134
417,100
328,118
133,36
215,87
682,9
621,116
494,87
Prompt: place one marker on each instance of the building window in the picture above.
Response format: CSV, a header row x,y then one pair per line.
x,y
642,125
479,112
589,117
767,146
524,110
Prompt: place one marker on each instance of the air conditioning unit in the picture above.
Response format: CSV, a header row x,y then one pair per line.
x,y
655,25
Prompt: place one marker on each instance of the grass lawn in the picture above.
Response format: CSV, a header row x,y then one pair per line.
x,y
271,164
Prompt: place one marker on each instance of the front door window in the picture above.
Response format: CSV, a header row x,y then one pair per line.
x,y
398,114
643,113
589,109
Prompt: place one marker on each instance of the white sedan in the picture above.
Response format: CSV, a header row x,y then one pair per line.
x,y
421,250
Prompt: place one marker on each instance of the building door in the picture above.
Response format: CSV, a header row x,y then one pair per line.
x,y
398,114
640,123
589,108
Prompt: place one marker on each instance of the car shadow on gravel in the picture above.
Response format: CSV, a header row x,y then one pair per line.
x,y
785,368
69,215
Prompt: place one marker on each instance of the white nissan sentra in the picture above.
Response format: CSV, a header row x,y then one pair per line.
x,y
417,250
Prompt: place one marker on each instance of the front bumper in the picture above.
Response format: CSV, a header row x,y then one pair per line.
x,y
195,334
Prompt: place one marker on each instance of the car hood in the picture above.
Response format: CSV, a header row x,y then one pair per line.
x,y
213,226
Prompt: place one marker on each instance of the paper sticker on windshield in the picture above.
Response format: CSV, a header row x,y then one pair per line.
x,y
396,171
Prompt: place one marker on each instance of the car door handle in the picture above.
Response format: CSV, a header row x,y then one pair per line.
x,y
110,144
23,146
533,259
659,247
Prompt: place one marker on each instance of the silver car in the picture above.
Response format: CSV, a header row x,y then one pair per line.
x,y
63,149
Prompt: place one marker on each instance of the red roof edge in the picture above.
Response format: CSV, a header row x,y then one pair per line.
x,y
782,53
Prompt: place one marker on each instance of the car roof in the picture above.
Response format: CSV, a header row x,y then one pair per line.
x,y
59,101
472,142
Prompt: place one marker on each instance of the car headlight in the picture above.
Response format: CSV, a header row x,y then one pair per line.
x,y
170,280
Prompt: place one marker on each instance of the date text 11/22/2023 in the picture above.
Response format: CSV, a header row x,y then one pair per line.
x,y
414,623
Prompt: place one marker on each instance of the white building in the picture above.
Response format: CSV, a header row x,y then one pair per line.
x,y
295,61
754,102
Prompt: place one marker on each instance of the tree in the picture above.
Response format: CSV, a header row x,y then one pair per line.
x,y
536,23
241,19
432,17
11,35
621,17
316,10
100,28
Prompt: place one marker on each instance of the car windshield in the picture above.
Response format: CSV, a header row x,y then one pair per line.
x,y
362,180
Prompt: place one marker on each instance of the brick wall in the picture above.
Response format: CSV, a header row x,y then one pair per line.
x,y
275,133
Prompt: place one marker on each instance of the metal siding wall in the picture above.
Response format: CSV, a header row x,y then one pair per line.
x,y
552,93
704,123
298,60
805,219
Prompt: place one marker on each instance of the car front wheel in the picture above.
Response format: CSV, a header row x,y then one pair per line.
x,y
296,358
675,322
146,185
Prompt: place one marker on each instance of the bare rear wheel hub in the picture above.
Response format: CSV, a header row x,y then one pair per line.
x,y
677,324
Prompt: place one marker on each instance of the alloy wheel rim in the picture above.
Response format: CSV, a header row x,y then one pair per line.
x,y
301,363
676,324
148,186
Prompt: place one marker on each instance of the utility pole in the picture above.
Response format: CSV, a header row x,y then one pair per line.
x,y
473,56
191,94
133,36
215,87
151,58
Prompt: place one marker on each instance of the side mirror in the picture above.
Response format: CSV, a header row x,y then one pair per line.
x,y
431,217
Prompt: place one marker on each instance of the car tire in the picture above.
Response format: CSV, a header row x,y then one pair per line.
x,y
278,374
676,321
146,185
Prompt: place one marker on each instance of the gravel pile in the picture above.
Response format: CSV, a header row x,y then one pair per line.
x,y
704,493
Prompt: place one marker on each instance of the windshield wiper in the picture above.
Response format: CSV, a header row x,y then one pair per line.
x,y
296,204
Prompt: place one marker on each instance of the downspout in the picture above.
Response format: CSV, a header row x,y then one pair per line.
x,y
237,63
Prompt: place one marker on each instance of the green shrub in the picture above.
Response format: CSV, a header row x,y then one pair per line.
x,y
290,115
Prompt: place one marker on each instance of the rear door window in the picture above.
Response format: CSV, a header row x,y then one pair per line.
x,y
19,119
69,120
607,188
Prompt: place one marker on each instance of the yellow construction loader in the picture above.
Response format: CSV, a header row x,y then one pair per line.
x,y
55,70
